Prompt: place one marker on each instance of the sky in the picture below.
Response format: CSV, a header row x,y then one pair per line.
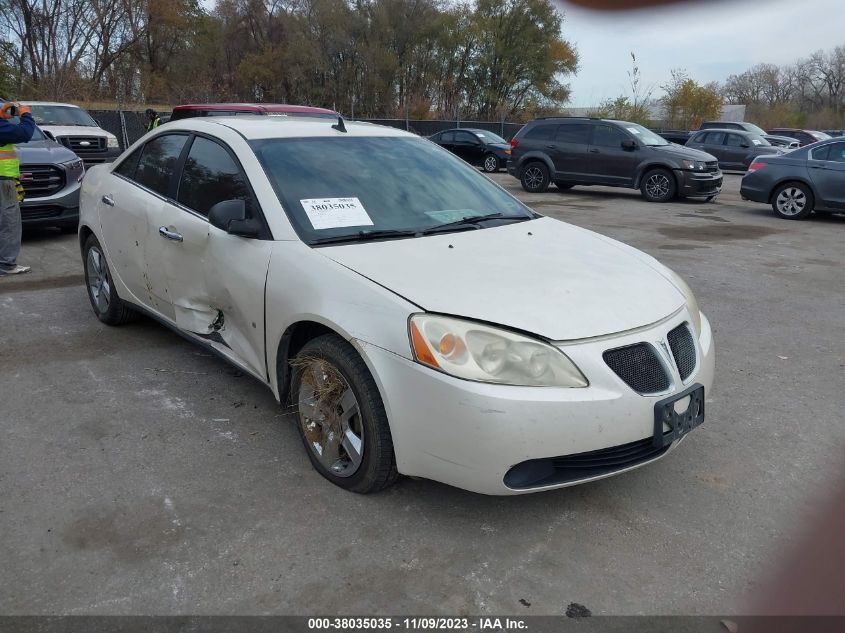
x,y
711,39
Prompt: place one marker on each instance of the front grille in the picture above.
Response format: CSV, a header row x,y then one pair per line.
x,y
682,345
557,470
640,367
82,145
41,212
712,166
40,181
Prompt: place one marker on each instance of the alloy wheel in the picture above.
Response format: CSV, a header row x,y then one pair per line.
x,y
99,282
791,201
657,186
330,418
533,177
491,163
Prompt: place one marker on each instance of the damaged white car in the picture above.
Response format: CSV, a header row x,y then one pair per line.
x,y
420,320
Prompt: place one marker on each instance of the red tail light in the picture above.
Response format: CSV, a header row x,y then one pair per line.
x,y
514,143
755,166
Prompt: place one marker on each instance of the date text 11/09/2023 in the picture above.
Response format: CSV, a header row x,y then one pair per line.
x,y
492,624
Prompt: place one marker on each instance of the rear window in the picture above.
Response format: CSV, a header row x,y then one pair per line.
x,y
542,132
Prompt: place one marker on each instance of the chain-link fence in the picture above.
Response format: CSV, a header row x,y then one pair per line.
x,y
128,125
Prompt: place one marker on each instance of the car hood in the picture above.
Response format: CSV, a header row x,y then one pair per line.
x,y
41,152
75,130
547,277
681,151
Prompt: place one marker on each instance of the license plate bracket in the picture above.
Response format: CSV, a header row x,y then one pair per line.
x,y
679,423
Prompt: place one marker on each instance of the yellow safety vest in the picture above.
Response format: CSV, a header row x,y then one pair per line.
x,y
10,167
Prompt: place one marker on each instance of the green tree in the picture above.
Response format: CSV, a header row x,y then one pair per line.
x,y
688,103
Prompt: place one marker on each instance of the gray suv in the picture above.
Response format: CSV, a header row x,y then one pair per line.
x,y
573,151
50,175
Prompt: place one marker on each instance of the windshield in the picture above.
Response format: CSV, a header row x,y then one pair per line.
x,y
643,135
61,115
333,186
820,136
37,134
489,137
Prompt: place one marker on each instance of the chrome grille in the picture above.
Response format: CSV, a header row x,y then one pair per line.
x,y
40,181
640,367
82,145
682,345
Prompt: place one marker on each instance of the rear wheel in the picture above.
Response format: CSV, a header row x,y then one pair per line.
x,y
658,185
341,416
793,201
535,177
491,163
108,306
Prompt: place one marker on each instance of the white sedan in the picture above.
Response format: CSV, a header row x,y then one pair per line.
x,y
420,320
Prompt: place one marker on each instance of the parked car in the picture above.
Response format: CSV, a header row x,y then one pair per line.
x,y
77,130
262,109
376,302
804,180
50,175
735,149
784,142
673,136
581,151
804,137
477,147
744,126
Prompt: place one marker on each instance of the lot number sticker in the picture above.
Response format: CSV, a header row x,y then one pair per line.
x,y
331,213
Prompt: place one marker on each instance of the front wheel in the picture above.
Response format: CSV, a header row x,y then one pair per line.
x,y
658,185
491,163
793,201
341,416
535,177
108,306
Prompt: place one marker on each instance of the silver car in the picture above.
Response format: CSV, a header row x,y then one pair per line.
x,y
51,175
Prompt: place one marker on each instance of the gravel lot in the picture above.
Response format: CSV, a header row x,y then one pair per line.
x,y
139,475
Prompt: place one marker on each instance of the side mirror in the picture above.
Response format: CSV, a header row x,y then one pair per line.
x,y
629,145
230,216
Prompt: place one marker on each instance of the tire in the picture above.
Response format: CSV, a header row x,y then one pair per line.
x,y
562,185
535,177
658,185
334,396
793,201
490,163
107,305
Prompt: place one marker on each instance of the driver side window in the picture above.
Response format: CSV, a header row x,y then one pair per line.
x,y
210,176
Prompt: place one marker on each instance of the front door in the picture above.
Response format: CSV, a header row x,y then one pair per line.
x,y
468,147
214,280
827,170
607,161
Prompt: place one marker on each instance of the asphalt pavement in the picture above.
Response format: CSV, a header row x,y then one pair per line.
x,y
139,475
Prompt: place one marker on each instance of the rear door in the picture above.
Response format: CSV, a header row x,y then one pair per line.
x,y
570,150
468,146
827,170
607,162
735,152
214,280
714,143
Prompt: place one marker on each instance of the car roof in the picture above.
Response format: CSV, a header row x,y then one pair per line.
x,y
51,103
732,130
255,128
254,107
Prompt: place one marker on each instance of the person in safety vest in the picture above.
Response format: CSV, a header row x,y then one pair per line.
x,y
11,191
152,119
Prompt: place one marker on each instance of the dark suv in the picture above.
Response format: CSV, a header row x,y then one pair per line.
x,y
581,151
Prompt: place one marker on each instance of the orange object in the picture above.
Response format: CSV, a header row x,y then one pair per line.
x,y
421,350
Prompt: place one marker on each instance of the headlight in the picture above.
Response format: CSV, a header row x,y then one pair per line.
x,y
692,304
695,165
73,165
472,351
111,142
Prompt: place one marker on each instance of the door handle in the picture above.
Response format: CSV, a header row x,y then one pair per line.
x,y
551,146
594,151
108,200
171,235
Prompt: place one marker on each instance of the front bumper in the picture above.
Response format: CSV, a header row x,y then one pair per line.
x,y
60,209
698,183
469,434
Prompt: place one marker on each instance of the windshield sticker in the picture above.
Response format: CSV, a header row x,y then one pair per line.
x,y
451,215
331,213
755,141
633,130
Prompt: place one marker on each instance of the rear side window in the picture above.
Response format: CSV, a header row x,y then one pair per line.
x,y
608,136
158,160
542,132
573,133
466,137
715,138
210,176
447,137
735,140
835,152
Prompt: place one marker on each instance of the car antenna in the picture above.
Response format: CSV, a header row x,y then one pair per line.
x,y
339,126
